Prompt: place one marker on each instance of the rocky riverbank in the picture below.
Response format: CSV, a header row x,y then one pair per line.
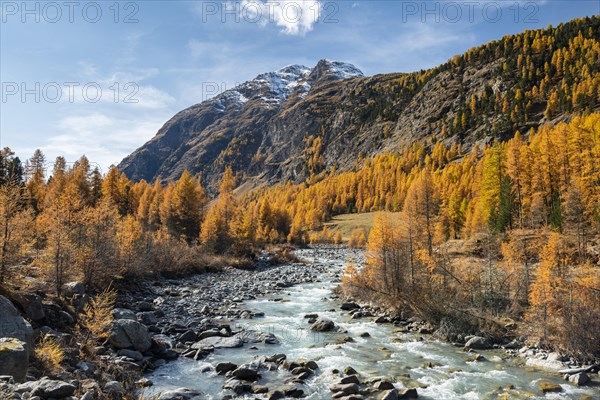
x,y
160,320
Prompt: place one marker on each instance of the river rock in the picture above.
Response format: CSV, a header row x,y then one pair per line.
x,y
383,385
548,365
257,337
322,325
127,333
31,304
549,387
345,388
350,379
181,394
224,367
13,325
349,306
14,359
245,374
410,393
218,342
47,388
579,379
237,386
390,395
477,343
260,389
133,354
350,371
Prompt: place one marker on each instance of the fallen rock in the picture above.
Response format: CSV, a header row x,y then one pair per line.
x,y
127,333
47,388
12,325
70,289
31,304
123,313
14,359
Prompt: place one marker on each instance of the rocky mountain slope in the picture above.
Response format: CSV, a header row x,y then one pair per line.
x,y
298,121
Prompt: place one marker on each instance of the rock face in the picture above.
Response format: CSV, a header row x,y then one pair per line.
x,y
14,359
127,333
12,325
261,127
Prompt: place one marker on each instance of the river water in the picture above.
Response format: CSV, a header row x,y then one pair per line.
x,y
400,357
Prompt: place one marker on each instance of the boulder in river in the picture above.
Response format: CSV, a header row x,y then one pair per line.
x,y
14,359
246,374
345,388
391,394
549,387
218,342
410,393
548,365
224,367
322,325
181,394
579,379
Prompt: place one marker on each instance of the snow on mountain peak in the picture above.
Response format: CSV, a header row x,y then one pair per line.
x,y
273,88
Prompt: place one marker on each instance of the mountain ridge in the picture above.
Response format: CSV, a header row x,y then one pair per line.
x,y
270,128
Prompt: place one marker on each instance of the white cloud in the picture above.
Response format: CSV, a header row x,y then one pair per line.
x,y
294,17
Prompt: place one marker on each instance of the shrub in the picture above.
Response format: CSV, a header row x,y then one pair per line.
x,y
49,355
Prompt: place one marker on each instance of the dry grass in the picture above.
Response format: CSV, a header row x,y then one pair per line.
x,y
347,223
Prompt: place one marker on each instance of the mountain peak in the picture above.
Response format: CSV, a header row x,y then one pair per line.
x,y
336,70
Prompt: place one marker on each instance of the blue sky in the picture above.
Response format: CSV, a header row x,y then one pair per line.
x,y
100,78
